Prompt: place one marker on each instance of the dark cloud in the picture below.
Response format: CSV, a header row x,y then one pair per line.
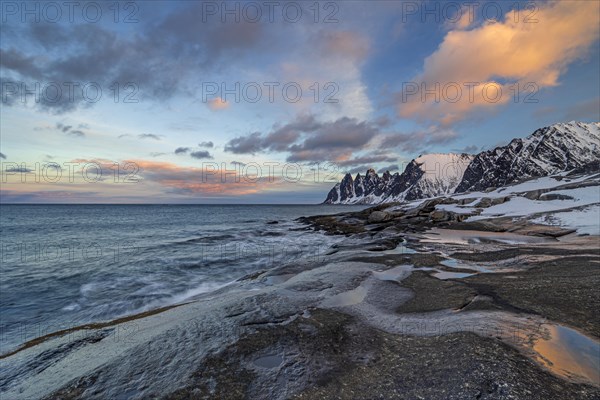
x,y
418,140
182,150
77,133
174,48
124,135
251,144
201,154
391,168
149,136
370,159
68,129
3,156
62,127
361,169
21,170
208,145
306,139
156,154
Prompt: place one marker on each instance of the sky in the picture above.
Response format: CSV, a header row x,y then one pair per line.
x,y
273,102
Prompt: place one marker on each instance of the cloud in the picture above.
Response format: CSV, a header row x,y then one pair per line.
x,y
418,140
149,136
64,128
201,155
206,180
124,135
471,149
357,170
306,139
217,104
48,196
3,156
157,154
174,49
76,132
182,150
369,159
21,170
498,56
345,44
69,131
250,144
208,145
391,168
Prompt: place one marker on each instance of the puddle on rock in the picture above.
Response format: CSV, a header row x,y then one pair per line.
x,y
271,361
453,263
400,249
395,274
569,353
451,275
465,237
348,298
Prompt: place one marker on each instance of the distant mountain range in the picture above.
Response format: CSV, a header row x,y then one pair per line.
x,y
555,148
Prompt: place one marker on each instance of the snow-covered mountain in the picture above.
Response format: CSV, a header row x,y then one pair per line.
x,y
426,176
549,150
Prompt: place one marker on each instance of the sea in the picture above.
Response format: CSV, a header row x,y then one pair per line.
x,y
68,265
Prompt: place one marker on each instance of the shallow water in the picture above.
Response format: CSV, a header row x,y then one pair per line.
x,y
400,249
395,274
568,353
465,237
348,298
451,275
453,263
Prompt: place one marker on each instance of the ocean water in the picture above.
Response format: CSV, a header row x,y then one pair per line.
x,y
65,265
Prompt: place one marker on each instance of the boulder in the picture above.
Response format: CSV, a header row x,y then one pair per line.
x,y
378,216
440,216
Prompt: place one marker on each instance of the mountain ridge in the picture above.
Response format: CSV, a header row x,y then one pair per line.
x,y
548,150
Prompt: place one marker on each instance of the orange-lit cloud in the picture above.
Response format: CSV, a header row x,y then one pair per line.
x,y
501,55
217,104
209,178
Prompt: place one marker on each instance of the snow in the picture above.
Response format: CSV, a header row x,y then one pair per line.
x,y
443,172
454,208
520,206
546,182
586,220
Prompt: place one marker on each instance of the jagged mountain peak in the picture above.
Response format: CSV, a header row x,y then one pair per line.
x,y
548,150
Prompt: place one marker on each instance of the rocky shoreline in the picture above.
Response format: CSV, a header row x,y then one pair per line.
x,y
414,303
